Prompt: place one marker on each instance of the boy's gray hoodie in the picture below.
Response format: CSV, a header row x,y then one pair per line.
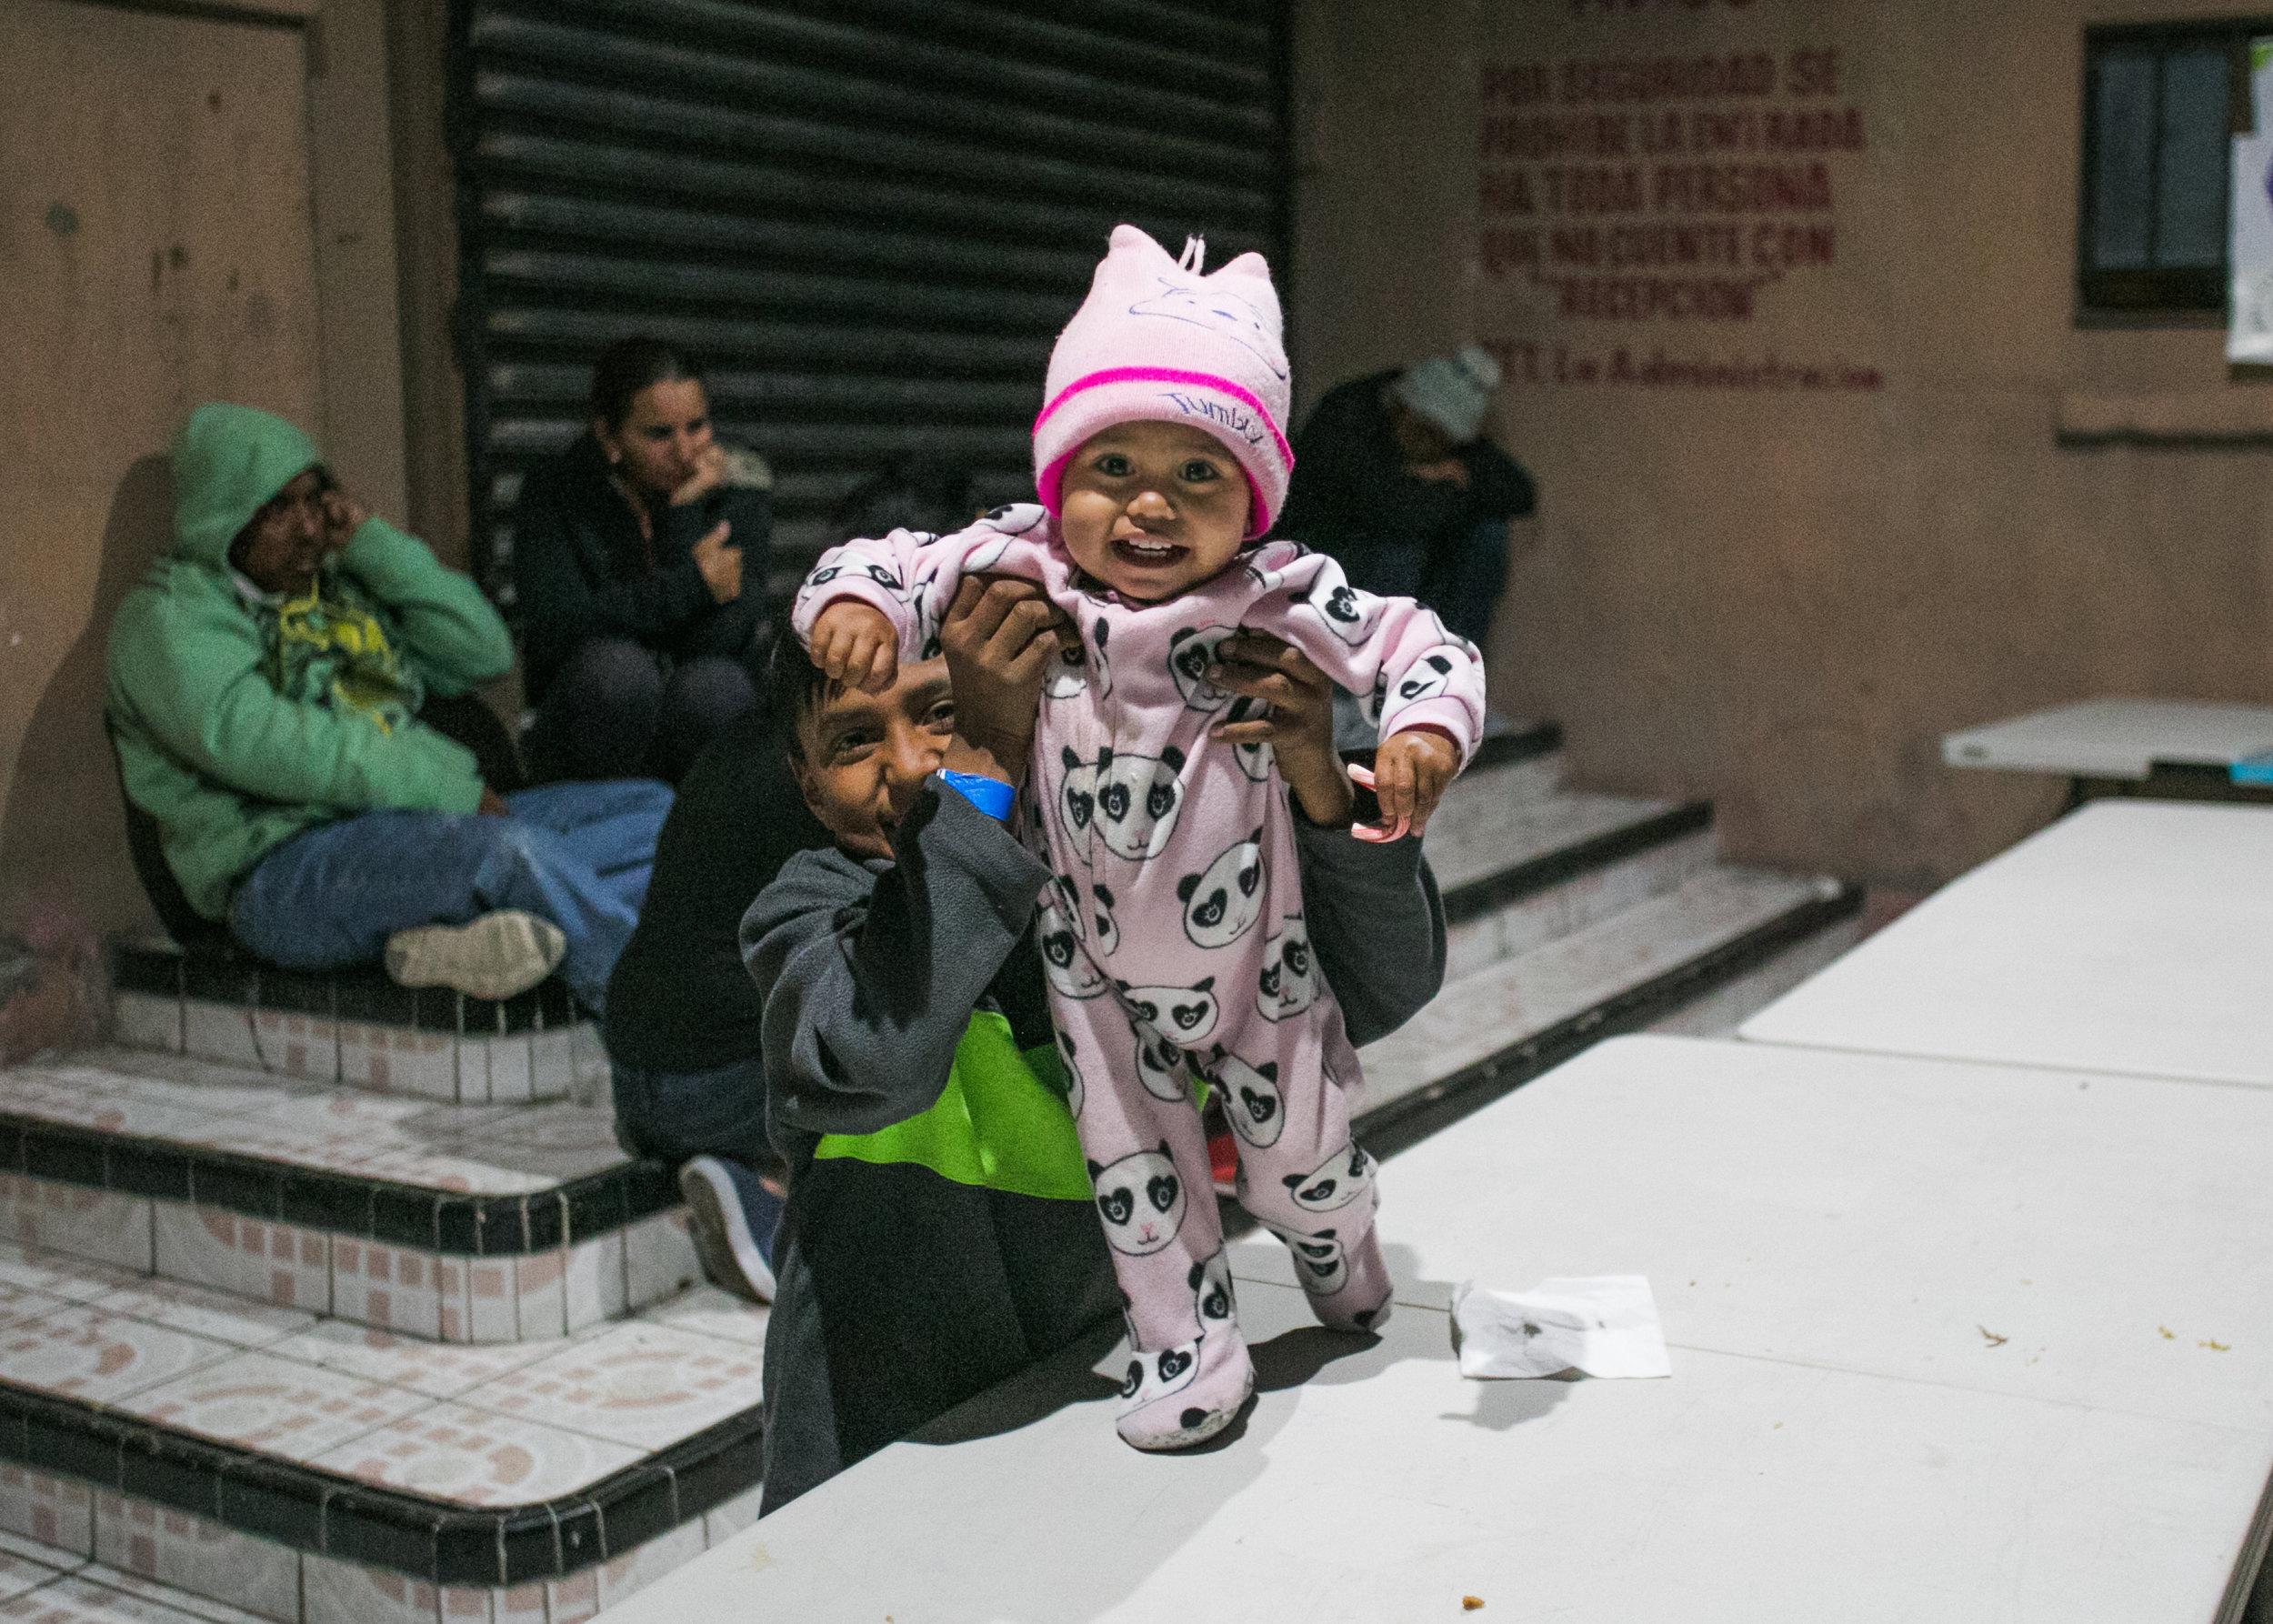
x,y
902,1292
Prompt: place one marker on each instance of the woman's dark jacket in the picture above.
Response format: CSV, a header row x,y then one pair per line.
x,y
582,569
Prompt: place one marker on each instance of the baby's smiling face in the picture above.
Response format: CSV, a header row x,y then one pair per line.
x,y
1153,509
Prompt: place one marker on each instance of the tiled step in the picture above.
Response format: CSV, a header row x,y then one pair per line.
x,y
312,1472
1544,866
1718,1013
1491,1031
468,1224
357,1028
1506,742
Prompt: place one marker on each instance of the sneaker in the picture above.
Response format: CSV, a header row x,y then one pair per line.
x,y
496,957
733,1217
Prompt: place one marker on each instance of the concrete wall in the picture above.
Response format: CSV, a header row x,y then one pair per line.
x,y
1776,586
193,206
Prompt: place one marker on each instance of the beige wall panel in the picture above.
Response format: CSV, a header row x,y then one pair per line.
x,y
354,195
1780,597
155,252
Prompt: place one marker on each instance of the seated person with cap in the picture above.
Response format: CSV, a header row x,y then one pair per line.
x,y
1394,477
265,683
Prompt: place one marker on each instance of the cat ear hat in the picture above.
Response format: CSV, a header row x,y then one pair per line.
x,y
1158,340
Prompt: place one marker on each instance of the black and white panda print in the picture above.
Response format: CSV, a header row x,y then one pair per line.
x,y
1070,675
1191,650
1319,1263
1269,565
885,576
1350,615
1142,1200
1071,973
1077,1092
1138,800
1077,800
1108,929
1372,705
1335,1182
930,609
1256,760
1222,902
987,553
1065,896
1251,1100
1152,1376
1185,1014
1100,669
1160,1065
1425,679
1016,518
1212,1299
1287,983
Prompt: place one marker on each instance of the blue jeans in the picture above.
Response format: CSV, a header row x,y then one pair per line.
x,y
576,853
675,1116
1462,580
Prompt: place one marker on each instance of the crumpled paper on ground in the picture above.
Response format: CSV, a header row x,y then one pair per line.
x,y
1603,1324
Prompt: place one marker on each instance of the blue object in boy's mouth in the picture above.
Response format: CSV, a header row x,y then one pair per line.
x,y
2254,769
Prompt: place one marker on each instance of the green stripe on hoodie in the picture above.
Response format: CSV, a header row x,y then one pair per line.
x,y
234,751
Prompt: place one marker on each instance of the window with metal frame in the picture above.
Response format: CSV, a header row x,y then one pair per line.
x,y
868,219
2161,103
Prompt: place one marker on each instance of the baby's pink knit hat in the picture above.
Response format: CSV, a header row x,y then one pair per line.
x,y
1155,340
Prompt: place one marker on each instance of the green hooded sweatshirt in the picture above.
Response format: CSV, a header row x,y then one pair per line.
x,y
242,719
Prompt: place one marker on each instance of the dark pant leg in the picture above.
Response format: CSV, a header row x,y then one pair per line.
x,y
1389,569
675,1116
1466,577
704,696
599,717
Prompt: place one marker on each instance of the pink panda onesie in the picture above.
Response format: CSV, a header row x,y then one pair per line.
x,y
1173,933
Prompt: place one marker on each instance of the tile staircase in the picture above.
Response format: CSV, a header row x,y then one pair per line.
x,y
1573,916
324,1302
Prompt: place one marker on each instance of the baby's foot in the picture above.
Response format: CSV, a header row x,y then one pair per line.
x,y
1178,1397
1348,1286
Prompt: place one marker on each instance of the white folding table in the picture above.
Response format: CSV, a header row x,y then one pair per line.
x,y
2130,935
2116,738
1948,1342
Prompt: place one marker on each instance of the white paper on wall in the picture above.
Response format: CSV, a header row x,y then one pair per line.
x,y
2250,250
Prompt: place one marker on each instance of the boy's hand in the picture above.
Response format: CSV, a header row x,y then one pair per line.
x,y
1298,722
855,645
1410,771
1002,638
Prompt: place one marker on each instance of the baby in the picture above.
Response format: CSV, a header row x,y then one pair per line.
x,y
1173,933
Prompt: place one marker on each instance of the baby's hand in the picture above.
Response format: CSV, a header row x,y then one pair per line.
x,y
1410,771
854,643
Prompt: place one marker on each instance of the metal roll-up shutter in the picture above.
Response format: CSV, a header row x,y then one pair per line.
x,y
869,218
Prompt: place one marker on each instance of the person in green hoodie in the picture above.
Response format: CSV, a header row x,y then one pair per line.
x,y
265,681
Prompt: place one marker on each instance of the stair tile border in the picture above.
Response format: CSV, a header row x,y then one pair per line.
x,y
338,1202
345,1520
360,996
1402,1123
1481,896
1503,749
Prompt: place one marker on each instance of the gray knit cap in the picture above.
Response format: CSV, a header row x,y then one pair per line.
x,y
1452,392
